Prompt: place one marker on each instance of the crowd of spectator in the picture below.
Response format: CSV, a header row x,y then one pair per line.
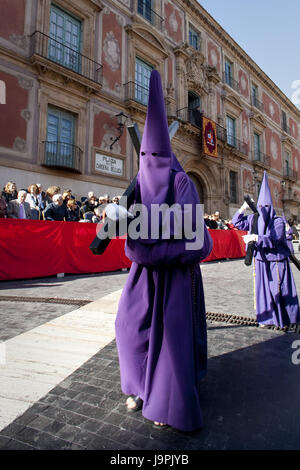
x,y
52,204
214,221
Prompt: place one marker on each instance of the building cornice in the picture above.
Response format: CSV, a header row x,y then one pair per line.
x,y
226,40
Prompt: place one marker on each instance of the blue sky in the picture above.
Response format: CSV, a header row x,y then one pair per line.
x,y
269,31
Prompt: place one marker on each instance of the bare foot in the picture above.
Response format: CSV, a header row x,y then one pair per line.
x,y
157,423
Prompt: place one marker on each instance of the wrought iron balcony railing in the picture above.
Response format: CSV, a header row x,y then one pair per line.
x,y
261,158
258,104
232,141
55,51
136,92
290,174
193,116
144,9
221,133
227,78
62,155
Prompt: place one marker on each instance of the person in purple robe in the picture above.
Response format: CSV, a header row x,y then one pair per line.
x,y
161,323
289,233
275,290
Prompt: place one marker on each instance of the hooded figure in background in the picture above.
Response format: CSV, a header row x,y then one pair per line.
x,y
289,233
276,295
161,324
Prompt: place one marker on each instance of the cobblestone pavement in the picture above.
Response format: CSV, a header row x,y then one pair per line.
x,y
249,398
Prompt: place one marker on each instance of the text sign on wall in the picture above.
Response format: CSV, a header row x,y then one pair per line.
x,y
110,165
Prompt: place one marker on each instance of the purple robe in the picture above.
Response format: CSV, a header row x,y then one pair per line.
x,y
161,322
276,295
161,325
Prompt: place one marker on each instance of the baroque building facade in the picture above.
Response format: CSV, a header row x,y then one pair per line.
x,y
69,67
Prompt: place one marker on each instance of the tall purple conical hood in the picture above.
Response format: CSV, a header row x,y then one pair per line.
x,y
156,152
265,207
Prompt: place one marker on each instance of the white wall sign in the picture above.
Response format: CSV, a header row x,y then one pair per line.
x,y
110,165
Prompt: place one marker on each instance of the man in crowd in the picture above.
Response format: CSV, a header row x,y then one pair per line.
x,y
56,210
18,208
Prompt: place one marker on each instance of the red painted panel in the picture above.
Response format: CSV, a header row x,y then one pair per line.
x,y
12,124
248,180
105,131
173,22
245,130
12,18
271,108
276,192
213,55
294,128
244,83
111,50
273,148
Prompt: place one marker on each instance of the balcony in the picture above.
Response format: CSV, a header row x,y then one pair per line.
x,y
62,155
136,96
144,10
290,174
257,104
48,53
228,80
237,144
261,159
193,116
221,133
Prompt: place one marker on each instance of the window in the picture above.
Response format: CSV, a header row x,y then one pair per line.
x,y
228,72
287,160
194,112
283,121
142,78
65,42
145,9
256,147
233,186
194,39
230,126
254,94
59,149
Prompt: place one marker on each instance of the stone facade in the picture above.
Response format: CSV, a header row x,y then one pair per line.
x,y
114,36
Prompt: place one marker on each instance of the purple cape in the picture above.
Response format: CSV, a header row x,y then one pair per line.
x,y
276,295
161,325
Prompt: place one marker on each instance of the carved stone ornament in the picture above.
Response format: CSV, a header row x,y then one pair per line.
x,y
20,145
112,51
25,83
196,72
26,114
20,41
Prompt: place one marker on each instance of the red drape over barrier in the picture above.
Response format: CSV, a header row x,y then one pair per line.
x,y
33,248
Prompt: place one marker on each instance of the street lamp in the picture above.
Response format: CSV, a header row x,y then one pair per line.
x,y
121,119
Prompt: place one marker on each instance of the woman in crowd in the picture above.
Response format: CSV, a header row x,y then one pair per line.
x,y
73,211
10,192
32,199
51,191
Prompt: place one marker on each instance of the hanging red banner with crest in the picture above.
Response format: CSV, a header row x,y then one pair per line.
x,y
209,137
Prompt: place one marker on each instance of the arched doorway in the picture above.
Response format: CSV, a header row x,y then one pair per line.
x,y
199,187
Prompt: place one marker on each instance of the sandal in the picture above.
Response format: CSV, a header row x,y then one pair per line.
x,y
158,425
138,404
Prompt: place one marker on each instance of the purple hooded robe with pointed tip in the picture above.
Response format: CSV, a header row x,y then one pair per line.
x,y
160,324
276,295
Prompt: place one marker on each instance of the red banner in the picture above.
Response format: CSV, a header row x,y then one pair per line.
x,y
34,248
